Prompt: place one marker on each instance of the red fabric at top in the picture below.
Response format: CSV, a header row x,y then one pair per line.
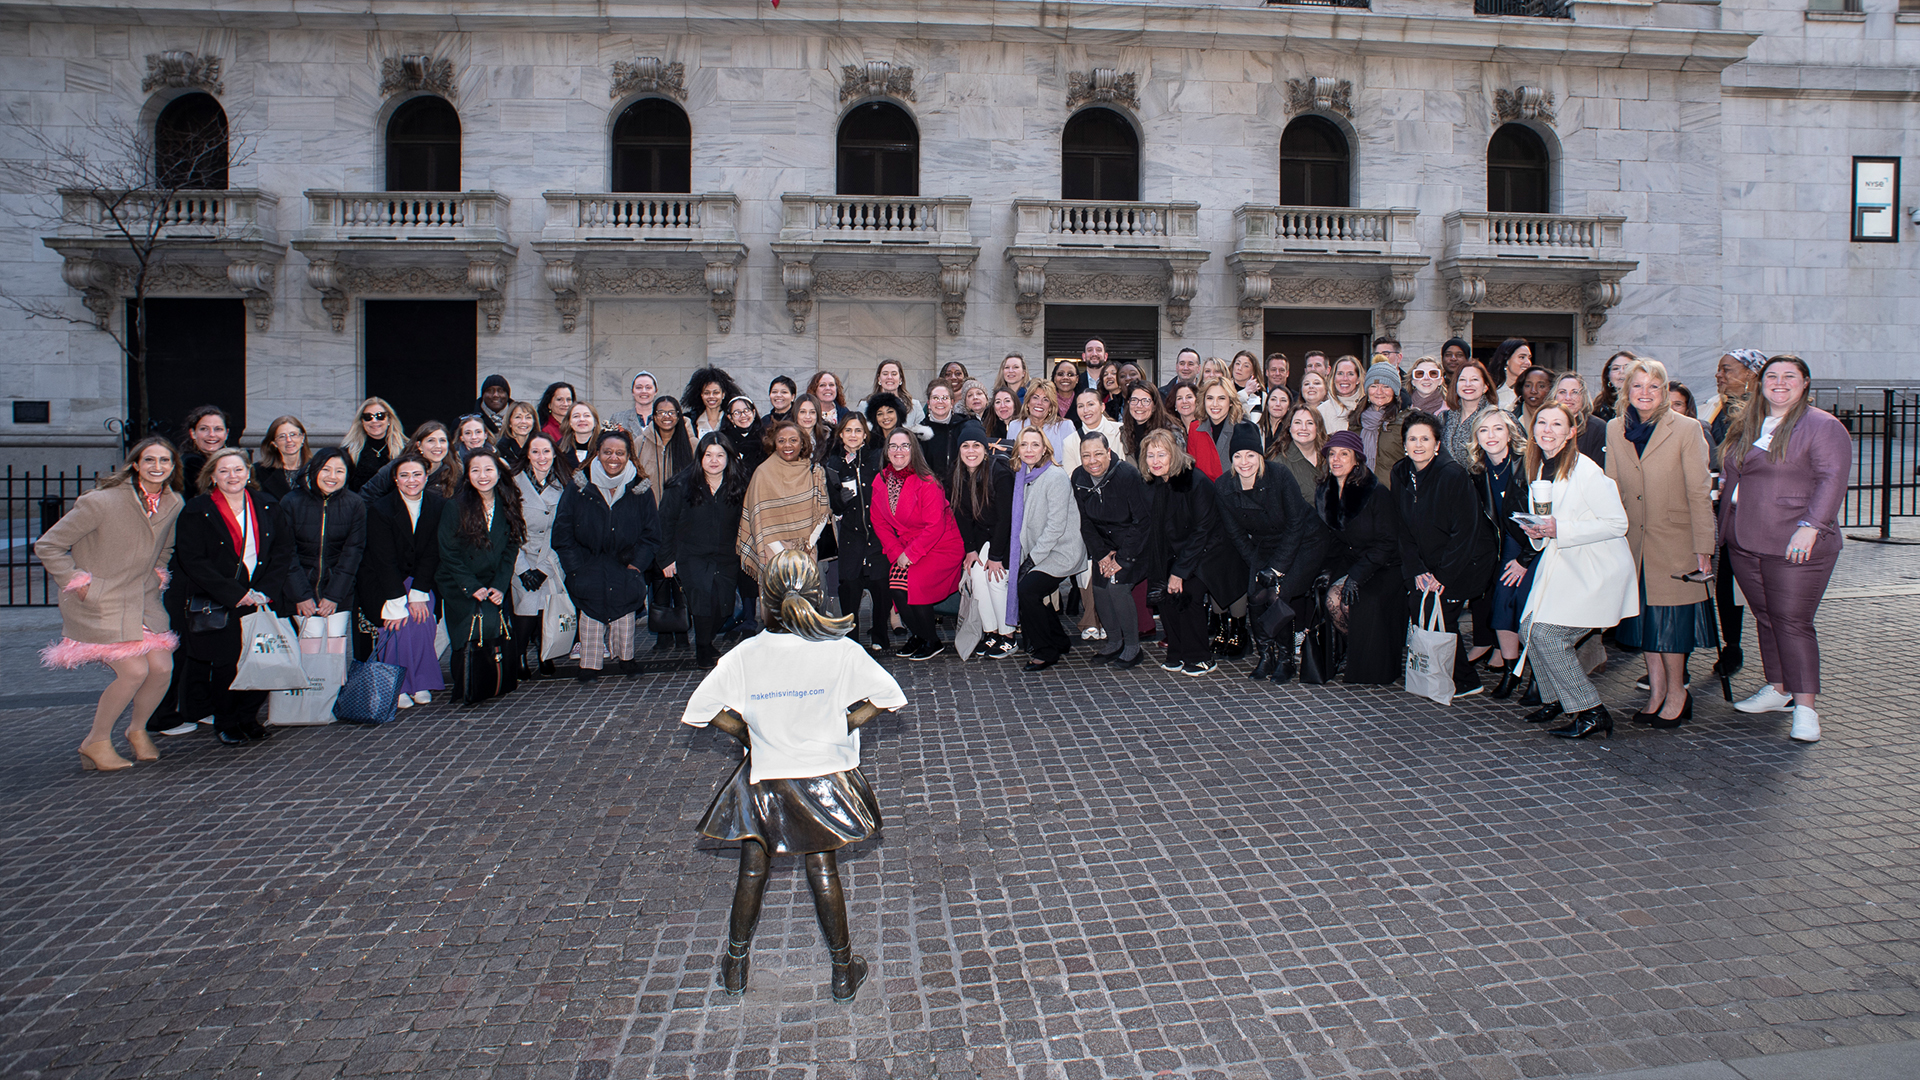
x,y
923,527
1205,455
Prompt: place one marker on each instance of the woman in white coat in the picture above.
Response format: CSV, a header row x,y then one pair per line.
x,y
1585,578
538,579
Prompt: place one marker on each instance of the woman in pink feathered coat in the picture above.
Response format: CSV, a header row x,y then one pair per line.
x,y
921,540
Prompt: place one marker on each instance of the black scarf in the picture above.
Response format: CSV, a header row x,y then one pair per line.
x,y
1638,431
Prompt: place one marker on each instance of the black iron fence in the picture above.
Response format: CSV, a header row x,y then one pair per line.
x,y
33,502
1885,422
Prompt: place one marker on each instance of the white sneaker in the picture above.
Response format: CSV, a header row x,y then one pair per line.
x,y
423,697
1767,700
403,702
187,728
1806,724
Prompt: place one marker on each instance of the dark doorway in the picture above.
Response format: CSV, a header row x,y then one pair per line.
x,y
879,152
1518,172
423,146
1131,334
190,144
1099,157
1550,334
423,357
1335,331
653,148
1314,164
196,355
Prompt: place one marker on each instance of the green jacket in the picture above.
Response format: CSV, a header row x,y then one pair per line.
x,y
465,568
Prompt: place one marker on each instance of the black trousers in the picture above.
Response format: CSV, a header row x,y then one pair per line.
x,y
206,690
875,588
1185,621
1046,638
1731,618
1464,677
918,619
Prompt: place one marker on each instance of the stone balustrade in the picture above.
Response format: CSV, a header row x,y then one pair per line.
x,y
232,214
405,215
711,217
1542,236
866,219
1323,229
1103,224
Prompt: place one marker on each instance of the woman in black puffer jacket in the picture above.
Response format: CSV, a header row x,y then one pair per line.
x,y
606,532
1279,539
328,526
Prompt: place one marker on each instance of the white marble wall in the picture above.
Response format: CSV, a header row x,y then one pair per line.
x,y
1647,144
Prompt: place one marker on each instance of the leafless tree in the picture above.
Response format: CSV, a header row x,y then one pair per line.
x,y
118,192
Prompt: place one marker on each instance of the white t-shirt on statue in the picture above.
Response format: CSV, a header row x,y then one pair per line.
x,y
794,695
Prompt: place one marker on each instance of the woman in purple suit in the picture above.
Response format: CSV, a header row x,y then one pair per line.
x,y
1783,477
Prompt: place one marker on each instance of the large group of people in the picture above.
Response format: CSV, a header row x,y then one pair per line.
x,y
1240,510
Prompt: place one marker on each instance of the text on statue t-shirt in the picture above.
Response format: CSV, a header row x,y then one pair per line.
x,y
794,696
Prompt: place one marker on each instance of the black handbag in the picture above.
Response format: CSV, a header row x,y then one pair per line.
x,y
485,669
667,611
1317,665
204,615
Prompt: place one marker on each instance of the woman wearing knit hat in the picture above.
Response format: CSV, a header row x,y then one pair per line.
x,y
1367,599
1281,543
1378,421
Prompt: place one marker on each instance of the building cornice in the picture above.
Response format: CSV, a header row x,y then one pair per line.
x,y
1114,24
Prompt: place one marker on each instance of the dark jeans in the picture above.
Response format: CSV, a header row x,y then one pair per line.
x,y
1186,624
876,589
1040,624
918,618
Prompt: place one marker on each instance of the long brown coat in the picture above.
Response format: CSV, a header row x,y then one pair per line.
x,y
1669,510
109,536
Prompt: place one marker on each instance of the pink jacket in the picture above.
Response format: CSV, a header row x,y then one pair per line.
x,y
1809,484
924,528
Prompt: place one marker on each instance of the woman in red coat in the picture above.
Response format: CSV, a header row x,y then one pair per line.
x,y
921,540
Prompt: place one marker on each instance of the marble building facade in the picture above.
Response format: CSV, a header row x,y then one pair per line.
x,y
1698,187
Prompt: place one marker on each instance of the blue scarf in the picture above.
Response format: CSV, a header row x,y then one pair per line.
x,y
1021,479
1638,431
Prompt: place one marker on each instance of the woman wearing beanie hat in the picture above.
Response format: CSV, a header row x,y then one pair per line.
x,y
981,494
1377,422
1281,543
1209,440
1367,599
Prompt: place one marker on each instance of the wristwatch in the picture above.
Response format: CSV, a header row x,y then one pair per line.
x,y
1809,525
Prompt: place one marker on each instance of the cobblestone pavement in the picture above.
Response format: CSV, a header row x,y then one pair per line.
x,y
1082,876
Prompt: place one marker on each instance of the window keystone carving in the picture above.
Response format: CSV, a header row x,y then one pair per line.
x,y
1320,94
181,70
876,78
1103,86
416,71
648,75
1523,103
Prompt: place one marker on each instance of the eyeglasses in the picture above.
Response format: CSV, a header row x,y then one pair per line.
x,y
370,417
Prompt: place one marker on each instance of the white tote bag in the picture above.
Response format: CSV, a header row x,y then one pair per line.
x,y
559,622
323,657
269,654
1430,652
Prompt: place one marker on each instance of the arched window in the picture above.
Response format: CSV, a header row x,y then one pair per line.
x,y
1518,172
1315,165
423,146
1099,157
653,148
879,152
190,144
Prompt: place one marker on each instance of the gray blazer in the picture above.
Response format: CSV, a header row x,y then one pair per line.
x,y
1050,526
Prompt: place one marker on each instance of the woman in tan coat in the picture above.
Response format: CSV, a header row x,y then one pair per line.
x,y
1658,458
109,556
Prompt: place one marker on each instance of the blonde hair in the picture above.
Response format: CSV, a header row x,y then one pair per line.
x,y
796,602
1517,440
1046,444
1178,461
1040,388
356,440
1236,411
205,480
1656,369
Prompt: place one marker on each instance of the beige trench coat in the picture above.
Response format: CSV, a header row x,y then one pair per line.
x,y
1669,510
108,535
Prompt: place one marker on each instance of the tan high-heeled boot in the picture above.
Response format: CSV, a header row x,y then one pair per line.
x,y
100,755
143,748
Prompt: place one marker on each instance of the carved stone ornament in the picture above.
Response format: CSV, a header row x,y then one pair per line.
x,y
102,284
876,78
648,75
723,280
1466,292
181,70
1326,292
1320,94
1597,297
1104,287
1530,296
1523,103
644,281
1395,292
1031,278
797,277
338,284
956,275
416,71
1103,86
886,284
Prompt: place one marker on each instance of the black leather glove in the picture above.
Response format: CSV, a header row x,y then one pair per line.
x,y
531,580
1350,595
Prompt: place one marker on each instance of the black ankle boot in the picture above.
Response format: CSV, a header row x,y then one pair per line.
x,y
1586,722
733,967
1508,682
1233,641
1544,713
849,971
1284,671
1269,660
1531,695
